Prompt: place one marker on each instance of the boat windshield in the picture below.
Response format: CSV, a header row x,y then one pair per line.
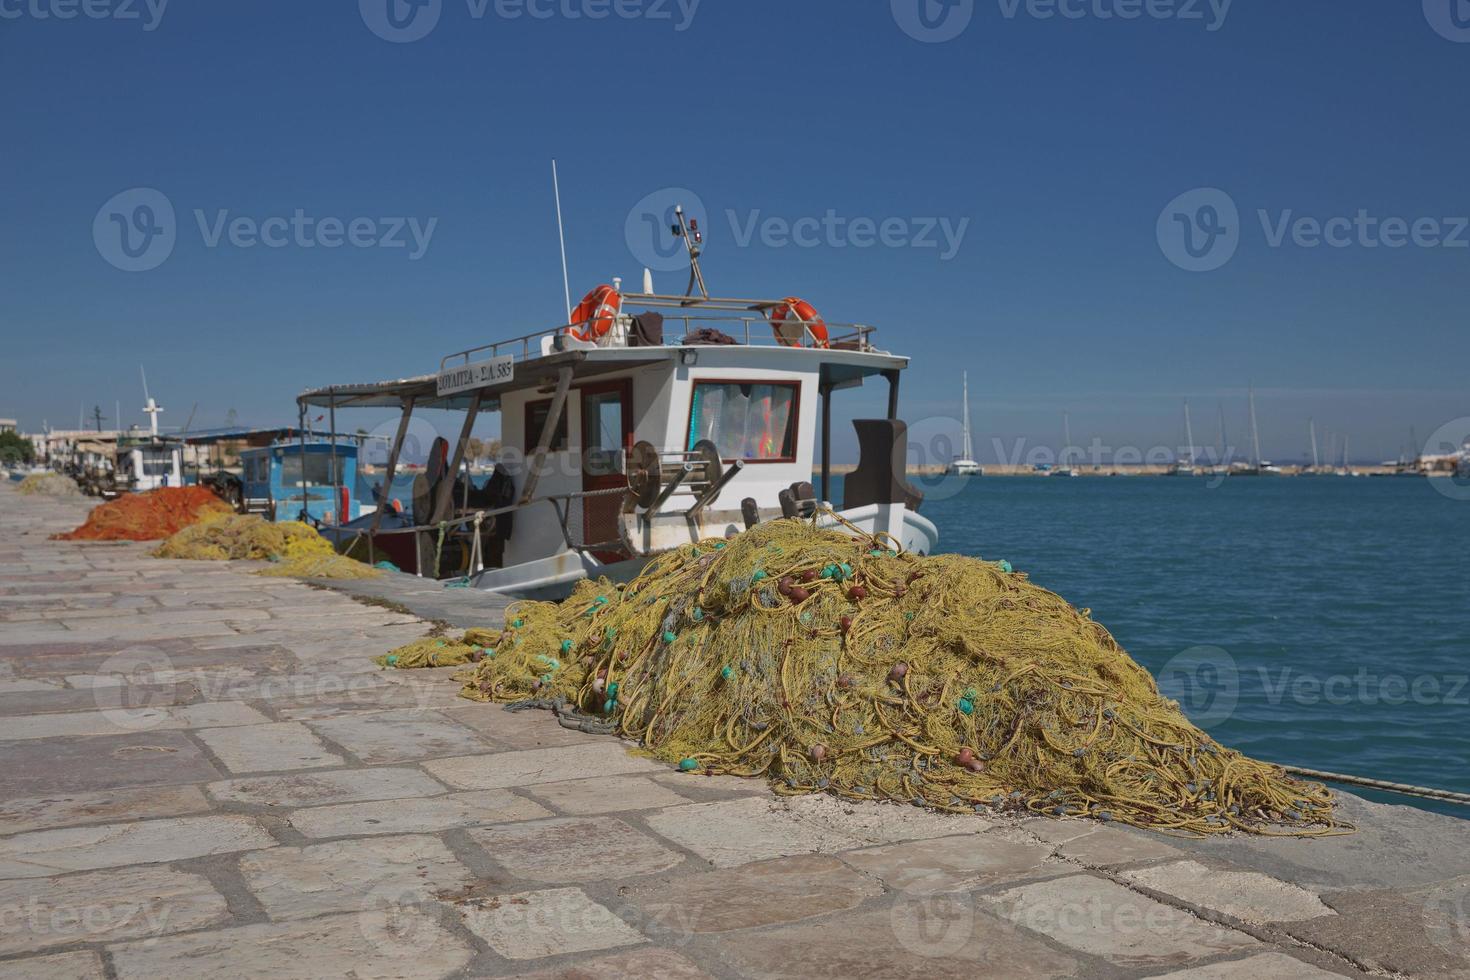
x,y
318,470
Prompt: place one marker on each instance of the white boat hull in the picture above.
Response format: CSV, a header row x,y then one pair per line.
x,y
555,576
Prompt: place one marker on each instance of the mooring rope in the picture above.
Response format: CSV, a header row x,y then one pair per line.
x,y
1405,789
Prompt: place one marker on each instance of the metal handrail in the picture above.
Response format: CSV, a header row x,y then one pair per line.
x,y
522,348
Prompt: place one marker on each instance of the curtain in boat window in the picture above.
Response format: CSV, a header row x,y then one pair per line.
x,y
746,421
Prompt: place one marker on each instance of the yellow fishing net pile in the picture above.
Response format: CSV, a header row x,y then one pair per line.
x,y
49,485
828,663
296,550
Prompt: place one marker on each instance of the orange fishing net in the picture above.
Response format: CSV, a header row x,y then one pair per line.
x,y
148,516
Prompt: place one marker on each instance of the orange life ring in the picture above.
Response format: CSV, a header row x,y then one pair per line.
x,y
596,314
794,319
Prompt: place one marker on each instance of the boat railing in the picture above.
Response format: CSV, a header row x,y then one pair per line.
x,y
749,328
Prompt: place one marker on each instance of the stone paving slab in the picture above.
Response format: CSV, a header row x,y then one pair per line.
x,y
47,852
602,758
105,906
81,965
62,810
269,748
1247,895
574,849
530,925
1263,966
64,766
1101,918
365,946
317,788
433,814
342,876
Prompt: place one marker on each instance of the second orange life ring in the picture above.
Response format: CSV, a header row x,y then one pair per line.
x,y
596,314
794,319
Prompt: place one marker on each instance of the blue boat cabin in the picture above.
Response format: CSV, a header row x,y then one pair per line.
x,y
311,482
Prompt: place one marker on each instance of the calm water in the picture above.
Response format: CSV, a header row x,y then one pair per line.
x,y
1321,622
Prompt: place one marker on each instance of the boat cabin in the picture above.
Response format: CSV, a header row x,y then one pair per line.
x,y
286,474
645,423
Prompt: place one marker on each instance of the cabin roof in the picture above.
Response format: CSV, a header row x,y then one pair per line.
x,y
839,367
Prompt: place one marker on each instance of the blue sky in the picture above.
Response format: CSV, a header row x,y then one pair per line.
x,y
1050,147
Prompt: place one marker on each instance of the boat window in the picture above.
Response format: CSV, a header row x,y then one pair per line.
x,y
536,414
755,421
318,470
602,432
157,462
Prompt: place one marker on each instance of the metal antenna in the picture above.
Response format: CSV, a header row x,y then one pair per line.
x,y
566,282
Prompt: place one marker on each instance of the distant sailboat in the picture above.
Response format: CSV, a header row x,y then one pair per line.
x,y
966,465
1258,466
1064,468
1185,467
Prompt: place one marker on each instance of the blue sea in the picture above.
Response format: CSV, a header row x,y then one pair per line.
x,y
1322,622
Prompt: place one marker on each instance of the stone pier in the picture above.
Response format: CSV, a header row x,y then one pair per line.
x,y
204,775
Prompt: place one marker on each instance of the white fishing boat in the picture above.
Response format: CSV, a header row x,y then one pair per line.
x,y
643,423
965,465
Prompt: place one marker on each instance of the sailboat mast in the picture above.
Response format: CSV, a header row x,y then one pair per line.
x,y
1316,461
1189,432
969,449
1255,432
1066,436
